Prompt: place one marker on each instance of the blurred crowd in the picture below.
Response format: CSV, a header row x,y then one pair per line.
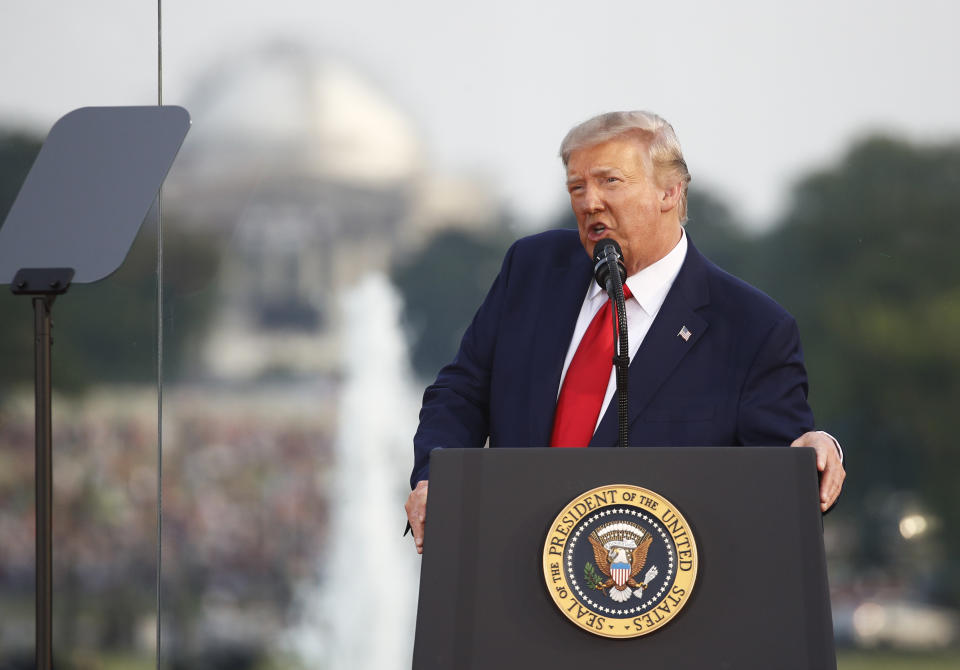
x,y
244,516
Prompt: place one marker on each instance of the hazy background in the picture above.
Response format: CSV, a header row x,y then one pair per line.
x,y
758,91
823,143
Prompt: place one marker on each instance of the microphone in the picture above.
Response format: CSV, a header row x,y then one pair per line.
x,y
606,253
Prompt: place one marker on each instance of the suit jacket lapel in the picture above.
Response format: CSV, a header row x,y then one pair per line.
x,y
663,347
555,324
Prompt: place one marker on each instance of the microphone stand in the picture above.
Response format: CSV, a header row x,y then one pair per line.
x,y
620,338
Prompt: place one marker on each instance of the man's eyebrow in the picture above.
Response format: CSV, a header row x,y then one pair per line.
x,y
595,172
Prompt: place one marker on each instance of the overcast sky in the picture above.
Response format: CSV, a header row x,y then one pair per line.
x,y
758,91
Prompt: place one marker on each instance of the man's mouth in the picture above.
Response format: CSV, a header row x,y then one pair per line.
x,y
596,232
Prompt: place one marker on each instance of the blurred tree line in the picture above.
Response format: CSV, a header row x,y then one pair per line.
x,y
864,259
105,332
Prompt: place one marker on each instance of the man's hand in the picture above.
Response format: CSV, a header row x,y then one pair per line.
x,y
417,512
831,469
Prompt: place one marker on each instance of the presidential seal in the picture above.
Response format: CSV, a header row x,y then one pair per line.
x,y
620,561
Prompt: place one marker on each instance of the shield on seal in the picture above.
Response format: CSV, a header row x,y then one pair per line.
x,y
620,573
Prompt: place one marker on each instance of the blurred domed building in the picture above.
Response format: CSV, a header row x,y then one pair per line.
x,y
307,175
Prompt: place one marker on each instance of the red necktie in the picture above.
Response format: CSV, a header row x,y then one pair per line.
x,y
585,384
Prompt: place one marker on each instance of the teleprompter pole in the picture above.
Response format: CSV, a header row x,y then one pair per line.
x,y
44,284
44,480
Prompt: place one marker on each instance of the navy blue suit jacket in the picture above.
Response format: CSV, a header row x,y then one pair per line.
x,y
738,380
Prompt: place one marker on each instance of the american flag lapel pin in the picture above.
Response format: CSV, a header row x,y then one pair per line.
x,y
685,334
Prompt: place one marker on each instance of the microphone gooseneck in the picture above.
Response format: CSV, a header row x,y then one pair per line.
x,y
610,273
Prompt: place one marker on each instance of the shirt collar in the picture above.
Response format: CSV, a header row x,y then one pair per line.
x,y
651,285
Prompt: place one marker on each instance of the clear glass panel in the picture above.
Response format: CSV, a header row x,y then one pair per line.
x,y
287,416
353,176
55,57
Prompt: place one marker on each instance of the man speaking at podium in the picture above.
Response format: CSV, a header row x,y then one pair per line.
x,y
713,361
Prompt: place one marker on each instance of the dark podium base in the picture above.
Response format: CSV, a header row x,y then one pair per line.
x,y
760,600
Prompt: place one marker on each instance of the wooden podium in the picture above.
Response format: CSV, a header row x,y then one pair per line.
x,y
760,599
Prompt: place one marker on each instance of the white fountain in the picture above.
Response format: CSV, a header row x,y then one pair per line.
x,y
363,616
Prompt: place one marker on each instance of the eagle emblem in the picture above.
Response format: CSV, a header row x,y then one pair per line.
x,y
620,550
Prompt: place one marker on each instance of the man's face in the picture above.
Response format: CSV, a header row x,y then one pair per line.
x,y
613,194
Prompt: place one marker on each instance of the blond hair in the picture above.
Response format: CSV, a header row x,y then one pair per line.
x,y
663,147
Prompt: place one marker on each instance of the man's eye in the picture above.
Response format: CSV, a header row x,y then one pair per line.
x,y
610,180
575,188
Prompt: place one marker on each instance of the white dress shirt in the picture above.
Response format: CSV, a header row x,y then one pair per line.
x,y
649,288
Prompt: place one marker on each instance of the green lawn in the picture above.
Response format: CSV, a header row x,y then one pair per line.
x,y
890,660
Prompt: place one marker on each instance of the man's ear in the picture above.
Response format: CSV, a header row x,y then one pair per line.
x,y
670,196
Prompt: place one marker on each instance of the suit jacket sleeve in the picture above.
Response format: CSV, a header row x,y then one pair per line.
x,y
773,405
456,407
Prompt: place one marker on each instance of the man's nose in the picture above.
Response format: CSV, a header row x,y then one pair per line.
x,y
592,202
